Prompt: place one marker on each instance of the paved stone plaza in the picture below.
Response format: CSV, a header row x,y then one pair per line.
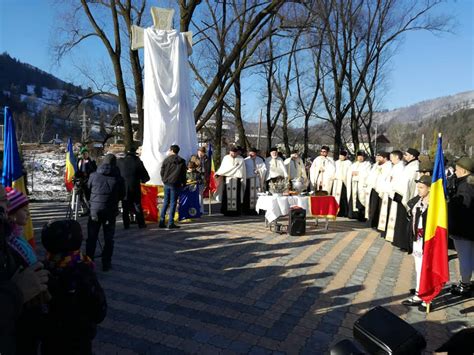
x,y
229,285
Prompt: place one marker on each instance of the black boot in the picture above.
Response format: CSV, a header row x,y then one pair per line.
x,y
461,289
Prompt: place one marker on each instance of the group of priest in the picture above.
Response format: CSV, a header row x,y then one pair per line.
x,y
375,193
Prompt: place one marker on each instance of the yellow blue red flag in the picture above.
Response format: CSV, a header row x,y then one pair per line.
x,y
70,166
12,168
211,183
434,269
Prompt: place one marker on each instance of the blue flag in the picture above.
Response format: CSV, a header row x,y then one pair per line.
x,y
12,175
189,206
12,169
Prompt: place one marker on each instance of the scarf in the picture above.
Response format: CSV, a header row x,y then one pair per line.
x,y
68,259
21,246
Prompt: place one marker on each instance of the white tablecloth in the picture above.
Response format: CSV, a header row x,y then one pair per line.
x,y
276,206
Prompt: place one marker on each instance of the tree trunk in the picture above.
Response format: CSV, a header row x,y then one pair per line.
x,y
284,127
337,137
138,82
306,137
218,136
355,131
238,114
124,108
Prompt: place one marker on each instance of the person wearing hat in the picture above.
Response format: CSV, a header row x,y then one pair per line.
x,y
231,190
341,181
255,171
322,171
356,186
18,286
77,300
460,214
377,181
296,171
417,213
203,167
107,190
18,215
276,171
30,319
133,172
425,166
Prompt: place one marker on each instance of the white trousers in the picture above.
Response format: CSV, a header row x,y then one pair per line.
x,y
465,249
418,257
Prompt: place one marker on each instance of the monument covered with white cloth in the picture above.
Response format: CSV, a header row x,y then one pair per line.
x,y
168,113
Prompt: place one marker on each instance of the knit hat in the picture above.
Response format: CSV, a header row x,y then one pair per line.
x,y
83,150
466,163
16,200
61,236
425,180
426,166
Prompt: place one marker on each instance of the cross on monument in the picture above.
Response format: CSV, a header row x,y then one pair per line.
x,y
162,20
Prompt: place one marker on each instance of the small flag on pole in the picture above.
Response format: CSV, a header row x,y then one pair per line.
x,y
434,269
212,183
13,169
70,166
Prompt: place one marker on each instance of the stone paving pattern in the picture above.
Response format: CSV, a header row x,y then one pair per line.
x,y
230,286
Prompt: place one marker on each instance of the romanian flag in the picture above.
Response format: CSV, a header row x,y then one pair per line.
x,y
150,202
13,169
212,183
70,166
434,269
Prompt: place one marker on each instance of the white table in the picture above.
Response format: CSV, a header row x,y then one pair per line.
x,y
276,206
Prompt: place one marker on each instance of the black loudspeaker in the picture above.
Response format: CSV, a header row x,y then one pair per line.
x,y
380,331
297,222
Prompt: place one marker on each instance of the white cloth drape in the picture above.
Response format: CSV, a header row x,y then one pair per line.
x,y
167,104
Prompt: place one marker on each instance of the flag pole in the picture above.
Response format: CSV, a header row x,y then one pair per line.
x,y
428,308
210,206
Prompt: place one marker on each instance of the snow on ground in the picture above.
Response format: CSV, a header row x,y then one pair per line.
x,y
45,173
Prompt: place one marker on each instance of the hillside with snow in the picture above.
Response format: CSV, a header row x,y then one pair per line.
x,y
428,109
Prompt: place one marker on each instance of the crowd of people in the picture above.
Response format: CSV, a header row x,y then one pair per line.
x,y
390,196
51,306
56,303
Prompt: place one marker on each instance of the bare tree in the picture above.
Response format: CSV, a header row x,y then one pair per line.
x,y
359,34
99,15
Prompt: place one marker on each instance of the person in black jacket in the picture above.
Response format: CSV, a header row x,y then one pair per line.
x,y
133,172
460,213
173,175
78,301
107,189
